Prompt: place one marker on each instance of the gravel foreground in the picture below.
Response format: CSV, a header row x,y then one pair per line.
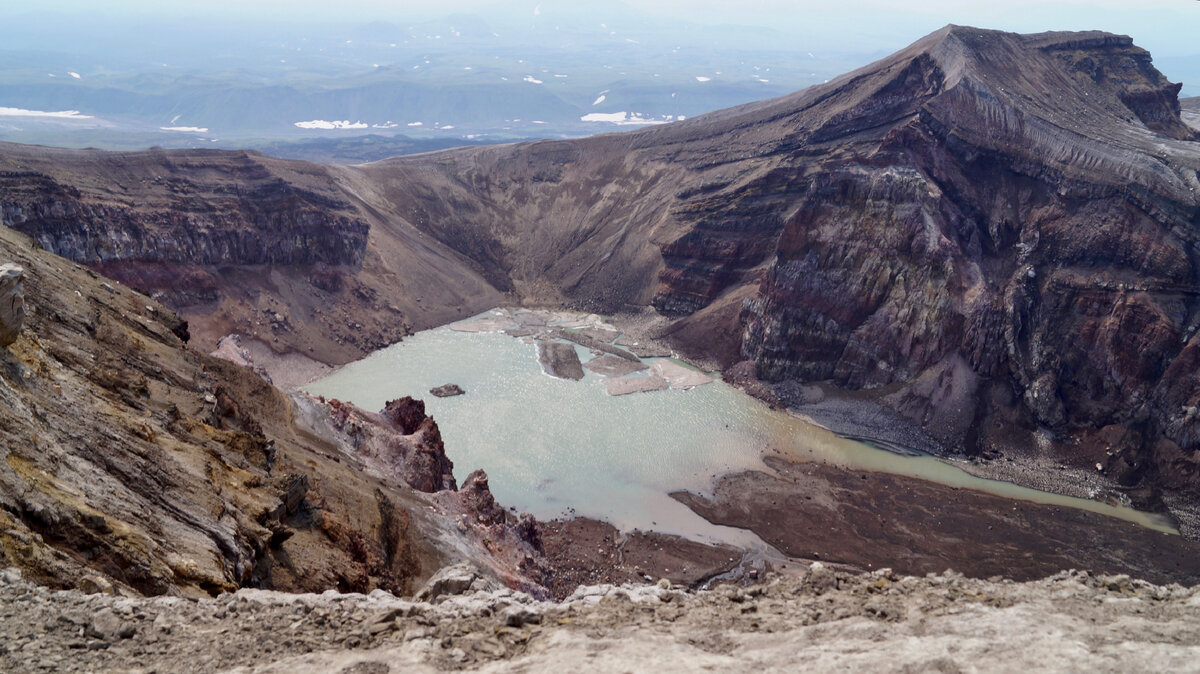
x,y
821,619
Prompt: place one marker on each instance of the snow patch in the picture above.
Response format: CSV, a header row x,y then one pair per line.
x,y
532,80
186,129
701,78
600,100
75,75
623,118
61,114
325,124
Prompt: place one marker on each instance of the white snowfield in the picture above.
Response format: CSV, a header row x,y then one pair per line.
x,y
186,129
61,114
623,118
325,124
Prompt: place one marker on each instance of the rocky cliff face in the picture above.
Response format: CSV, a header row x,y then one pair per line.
x,y
992,235
997,255
131,464
273,250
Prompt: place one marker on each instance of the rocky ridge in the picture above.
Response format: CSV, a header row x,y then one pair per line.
x,y
823,618
134,465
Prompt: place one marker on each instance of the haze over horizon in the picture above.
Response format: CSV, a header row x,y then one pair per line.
x,y
1164,27
219,73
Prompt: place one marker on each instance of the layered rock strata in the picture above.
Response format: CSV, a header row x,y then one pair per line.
x,y
131,464
991,236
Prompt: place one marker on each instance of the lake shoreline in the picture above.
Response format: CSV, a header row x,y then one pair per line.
x,y
830,412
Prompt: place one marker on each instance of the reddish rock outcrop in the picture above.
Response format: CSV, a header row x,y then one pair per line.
x,y
406,414
401,442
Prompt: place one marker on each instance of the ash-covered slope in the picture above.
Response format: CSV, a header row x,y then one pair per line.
x,y
239,242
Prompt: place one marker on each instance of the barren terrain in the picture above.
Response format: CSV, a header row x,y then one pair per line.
x,y
818,619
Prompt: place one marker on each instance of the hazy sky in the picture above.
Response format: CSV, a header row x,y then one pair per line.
x,y
1165,27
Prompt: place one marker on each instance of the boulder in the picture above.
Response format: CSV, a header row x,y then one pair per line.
x,y
560,360
12,303
447,390
455,579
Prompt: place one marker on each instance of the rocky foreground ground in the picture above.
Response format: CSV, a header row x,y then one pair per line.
x,y
820,620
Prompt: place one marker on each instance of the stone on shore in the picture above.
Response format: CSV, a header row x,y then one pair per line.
x,y
560,360
613,366
625,385
452,580
12,303
679,376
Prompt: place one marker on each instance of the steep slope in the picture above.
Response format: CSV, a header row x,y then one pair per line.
x,y
239,242
991,236
130,462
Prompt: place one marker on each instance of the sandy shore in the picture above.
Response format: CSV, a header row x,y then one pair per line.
x,y
869,520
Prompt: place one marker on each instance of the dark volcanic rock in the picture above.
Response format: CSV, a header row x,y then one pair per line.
x,y
560,360
132,464
447,390
405,413
479,500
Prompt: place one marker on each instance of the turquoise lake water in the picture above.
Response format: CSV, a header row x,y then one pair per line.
x,y
556,447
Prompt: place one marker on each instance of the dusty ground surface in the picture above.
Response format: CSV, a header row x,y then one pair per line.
x,y
822,620
870,520
587,552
